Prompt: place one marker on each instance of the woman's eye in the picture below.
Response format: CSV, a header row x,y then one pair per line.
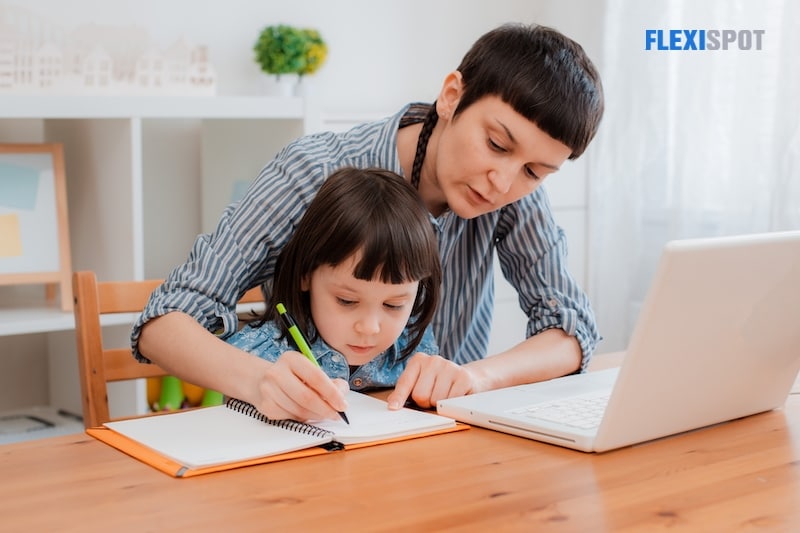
x,y
496,147
531,174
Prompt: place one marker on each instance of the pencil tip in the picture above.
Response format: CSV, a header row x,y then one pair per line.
x,y
344,417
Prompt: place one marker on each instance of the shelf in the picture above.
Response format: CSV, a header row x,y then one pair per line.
x,y
206,107
145,175
36,422
25,320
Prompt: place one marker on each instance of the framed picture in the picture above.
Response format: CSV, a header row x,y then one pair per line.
x,y
34,233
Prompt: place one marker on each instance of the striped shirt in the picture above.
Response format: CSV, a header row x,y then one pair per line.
x,y
241,252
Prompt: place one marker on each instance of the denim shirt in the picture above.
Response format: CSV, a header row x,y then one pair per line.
x,y
382,371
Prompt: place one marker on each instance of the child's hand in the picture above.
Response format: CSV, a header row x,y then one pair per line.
x,y
429,378
295,388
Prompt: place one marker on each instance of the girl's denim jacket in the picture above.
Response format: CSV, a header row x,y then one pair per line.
x,y
265,341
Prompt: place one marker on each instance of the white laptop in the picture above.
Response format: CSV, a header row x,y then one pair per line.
x,y
718,338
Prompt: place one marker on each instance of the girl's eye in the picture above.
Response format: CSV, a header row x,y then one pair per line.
x,y
344,302
393,307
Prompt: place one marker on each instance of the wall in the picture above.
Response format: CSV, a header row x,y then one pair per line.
x,y
381,54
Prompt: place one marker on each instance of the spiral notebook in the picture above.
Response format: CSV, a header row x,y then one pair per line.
x,y
235,434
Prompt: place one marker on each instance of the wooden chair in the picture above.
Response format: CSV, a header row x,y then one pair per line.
x,y
98,364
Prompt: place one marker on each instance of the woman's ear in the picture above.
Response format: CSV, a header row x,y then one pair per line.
x,y
450,95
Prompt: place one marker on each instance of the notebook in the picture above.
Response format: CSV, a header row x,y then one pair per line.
x,y
197,441
717,339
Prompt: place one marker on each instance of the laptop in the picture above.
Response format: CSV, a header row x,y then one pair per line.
x,y
717,339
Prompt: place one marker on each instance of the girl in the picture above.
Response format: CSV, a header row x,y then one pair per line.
x,y
361,269
523,100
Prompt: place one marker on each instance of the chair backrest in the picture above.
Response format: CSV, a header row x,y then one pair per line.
x,y
98,364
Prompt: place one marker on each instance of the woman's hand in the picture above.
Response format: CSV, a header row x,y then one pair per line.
x,y
294,387
429,378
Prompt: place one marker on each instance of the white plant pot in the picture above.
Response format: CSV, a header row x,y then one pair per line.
x,y
281,86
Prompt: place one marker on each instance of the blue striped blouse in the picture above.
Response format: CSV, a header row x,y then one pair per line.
x,y
241,252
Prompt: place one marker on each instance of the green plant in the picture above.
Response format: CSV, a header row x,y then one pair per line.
x,y
282,49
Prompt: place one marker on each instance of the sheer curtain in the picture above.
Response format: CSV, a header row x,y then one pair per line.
x,y
693,143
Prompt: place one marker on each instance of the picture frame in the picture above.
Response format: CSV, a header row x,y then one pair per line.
x,y
34,229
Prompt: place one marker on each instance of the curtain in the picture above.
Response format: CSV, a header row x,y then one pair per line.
x,y
694,143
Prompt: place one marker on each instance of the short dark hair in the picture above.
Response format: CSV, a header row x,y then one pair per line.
x,y
544,75
372,211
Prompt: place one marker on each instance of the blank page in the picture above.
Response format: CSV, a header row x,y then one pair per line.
x,y
371,420
213,435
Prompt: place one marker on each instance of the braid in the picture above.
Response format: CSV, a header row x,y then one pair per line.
x,y
422,144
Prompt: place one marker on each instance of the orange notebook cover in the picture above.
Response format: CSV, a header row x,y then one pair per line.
x,y
234,435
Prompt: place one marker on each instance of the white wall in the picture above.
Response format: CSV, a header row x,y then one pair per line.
x,y
382,54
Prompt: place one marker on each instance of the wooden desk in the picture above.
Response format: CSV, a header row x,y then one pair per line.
x,y
739,476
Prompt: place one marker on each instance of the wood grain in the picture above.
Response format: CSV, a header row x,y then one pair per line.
x,y
739,476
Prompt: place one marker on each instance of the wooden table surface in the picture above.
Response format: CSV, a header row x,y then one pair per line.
x,y
739,476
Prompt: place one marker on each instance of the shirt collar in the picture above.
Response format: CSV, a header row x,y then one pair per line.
x,y
321,349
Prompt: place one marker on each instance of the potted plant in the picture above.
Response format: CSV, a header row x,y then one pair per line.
x,y
286,53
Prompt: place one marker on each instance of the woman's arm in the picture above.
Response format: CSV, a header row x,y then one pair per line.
x,y
532,250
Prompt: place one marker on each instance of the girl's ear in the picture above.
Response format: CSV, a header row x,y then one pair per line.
x,y
450,95
305,284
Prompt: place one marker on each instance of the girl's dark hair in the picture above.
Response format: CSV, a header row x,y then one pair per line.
x,y
544,75
374,212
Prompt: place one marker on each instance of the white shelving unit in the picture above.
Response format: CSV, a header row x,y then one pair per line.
x,y
145,175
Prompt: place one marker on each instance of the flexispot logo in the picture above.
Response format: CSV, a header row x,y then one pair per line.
x,y
703,39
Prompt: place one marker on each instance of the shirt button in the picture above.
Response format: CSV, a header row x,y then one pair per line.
x,y
335,358
358,382
552,303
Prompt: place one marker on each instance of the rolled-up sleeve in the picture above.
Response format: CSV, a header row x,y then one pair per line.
x,y
241,252
206,288
532,250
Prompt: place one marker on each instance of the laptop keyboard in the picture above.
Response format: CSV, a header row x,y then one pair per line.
x,y
584,412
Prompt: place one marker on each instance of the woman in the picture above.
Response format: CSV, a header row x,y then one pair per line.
x,y
523,100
